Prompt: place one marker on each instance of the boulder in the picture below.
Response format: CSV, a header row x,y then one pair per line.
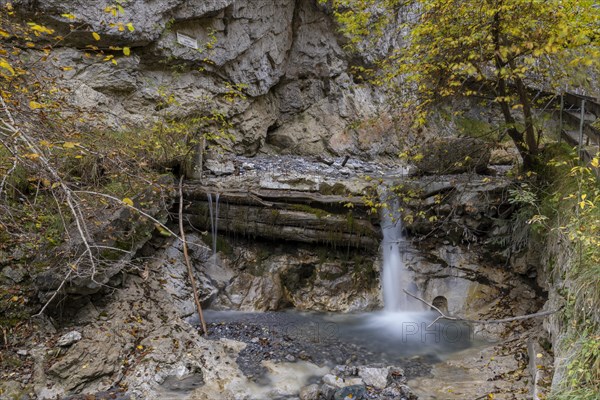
x,y
376,377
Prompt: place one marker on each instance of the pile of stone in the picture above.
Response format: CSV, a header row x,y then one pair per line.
x,y
345,382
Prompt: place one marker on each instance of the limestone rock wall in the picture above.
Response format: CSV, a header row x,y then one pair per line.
x,y
275,69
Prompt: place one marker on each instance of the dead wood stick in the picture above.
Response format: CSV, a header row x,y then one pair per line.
x,y
478,321
345,161
187,258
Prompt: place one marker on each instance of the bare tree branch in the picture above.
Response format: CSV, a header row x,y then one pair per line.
x,y
71,202
187,258
478,321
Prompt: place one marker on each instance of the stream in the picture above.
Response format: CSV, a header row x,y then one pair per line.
x,y
402,335
401,339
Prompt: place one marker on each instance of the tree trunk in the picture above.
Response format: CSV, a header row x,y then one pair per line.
x,y
527,146
530,139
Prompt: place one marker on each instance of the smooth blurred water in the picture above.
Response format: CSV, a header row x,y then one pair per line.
x,y
373,337
396,278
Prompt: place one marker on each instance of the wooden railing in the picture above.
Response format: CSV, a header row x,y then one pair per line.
x,y
581,111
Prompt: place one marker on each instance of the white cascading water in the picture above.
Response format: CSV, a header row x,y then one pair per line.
x,y
396,277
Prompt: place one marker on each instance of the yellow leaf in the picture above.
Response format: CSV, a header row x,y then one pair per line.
x,y
37,29
596,162
68,16
130,27
140,347
126,51
162,230
67,68
34,105
69,145
96,36
114,61
32,156
128,201
4,33
15,298
4,64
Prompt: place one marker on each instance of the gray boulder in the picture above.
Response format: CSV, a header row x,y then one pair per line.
x,y
376,377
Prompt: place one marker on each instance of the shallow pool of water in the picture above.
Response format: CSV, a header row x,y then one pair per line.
x,y
405,339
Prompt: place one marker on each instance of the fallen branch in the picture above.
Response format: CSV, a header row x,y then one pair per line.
x,y
187,258
478,321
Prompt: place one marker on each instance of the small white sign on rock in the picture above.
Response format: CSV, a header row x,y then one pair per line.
x,y
187,41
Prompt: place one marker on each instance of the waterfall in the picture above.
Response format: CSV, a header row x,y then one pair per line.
x,y
396,277
214,220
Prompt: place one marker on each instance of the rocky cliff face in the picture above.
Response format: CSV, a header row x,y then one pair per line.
x,y
294,232
275,69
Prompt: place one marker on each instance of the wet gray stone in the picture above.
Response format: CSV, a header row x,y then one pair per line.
x,y
355,392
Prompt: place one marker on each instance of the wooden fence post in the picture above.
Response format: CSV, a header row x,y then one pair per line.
x,y
581,125
562,109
